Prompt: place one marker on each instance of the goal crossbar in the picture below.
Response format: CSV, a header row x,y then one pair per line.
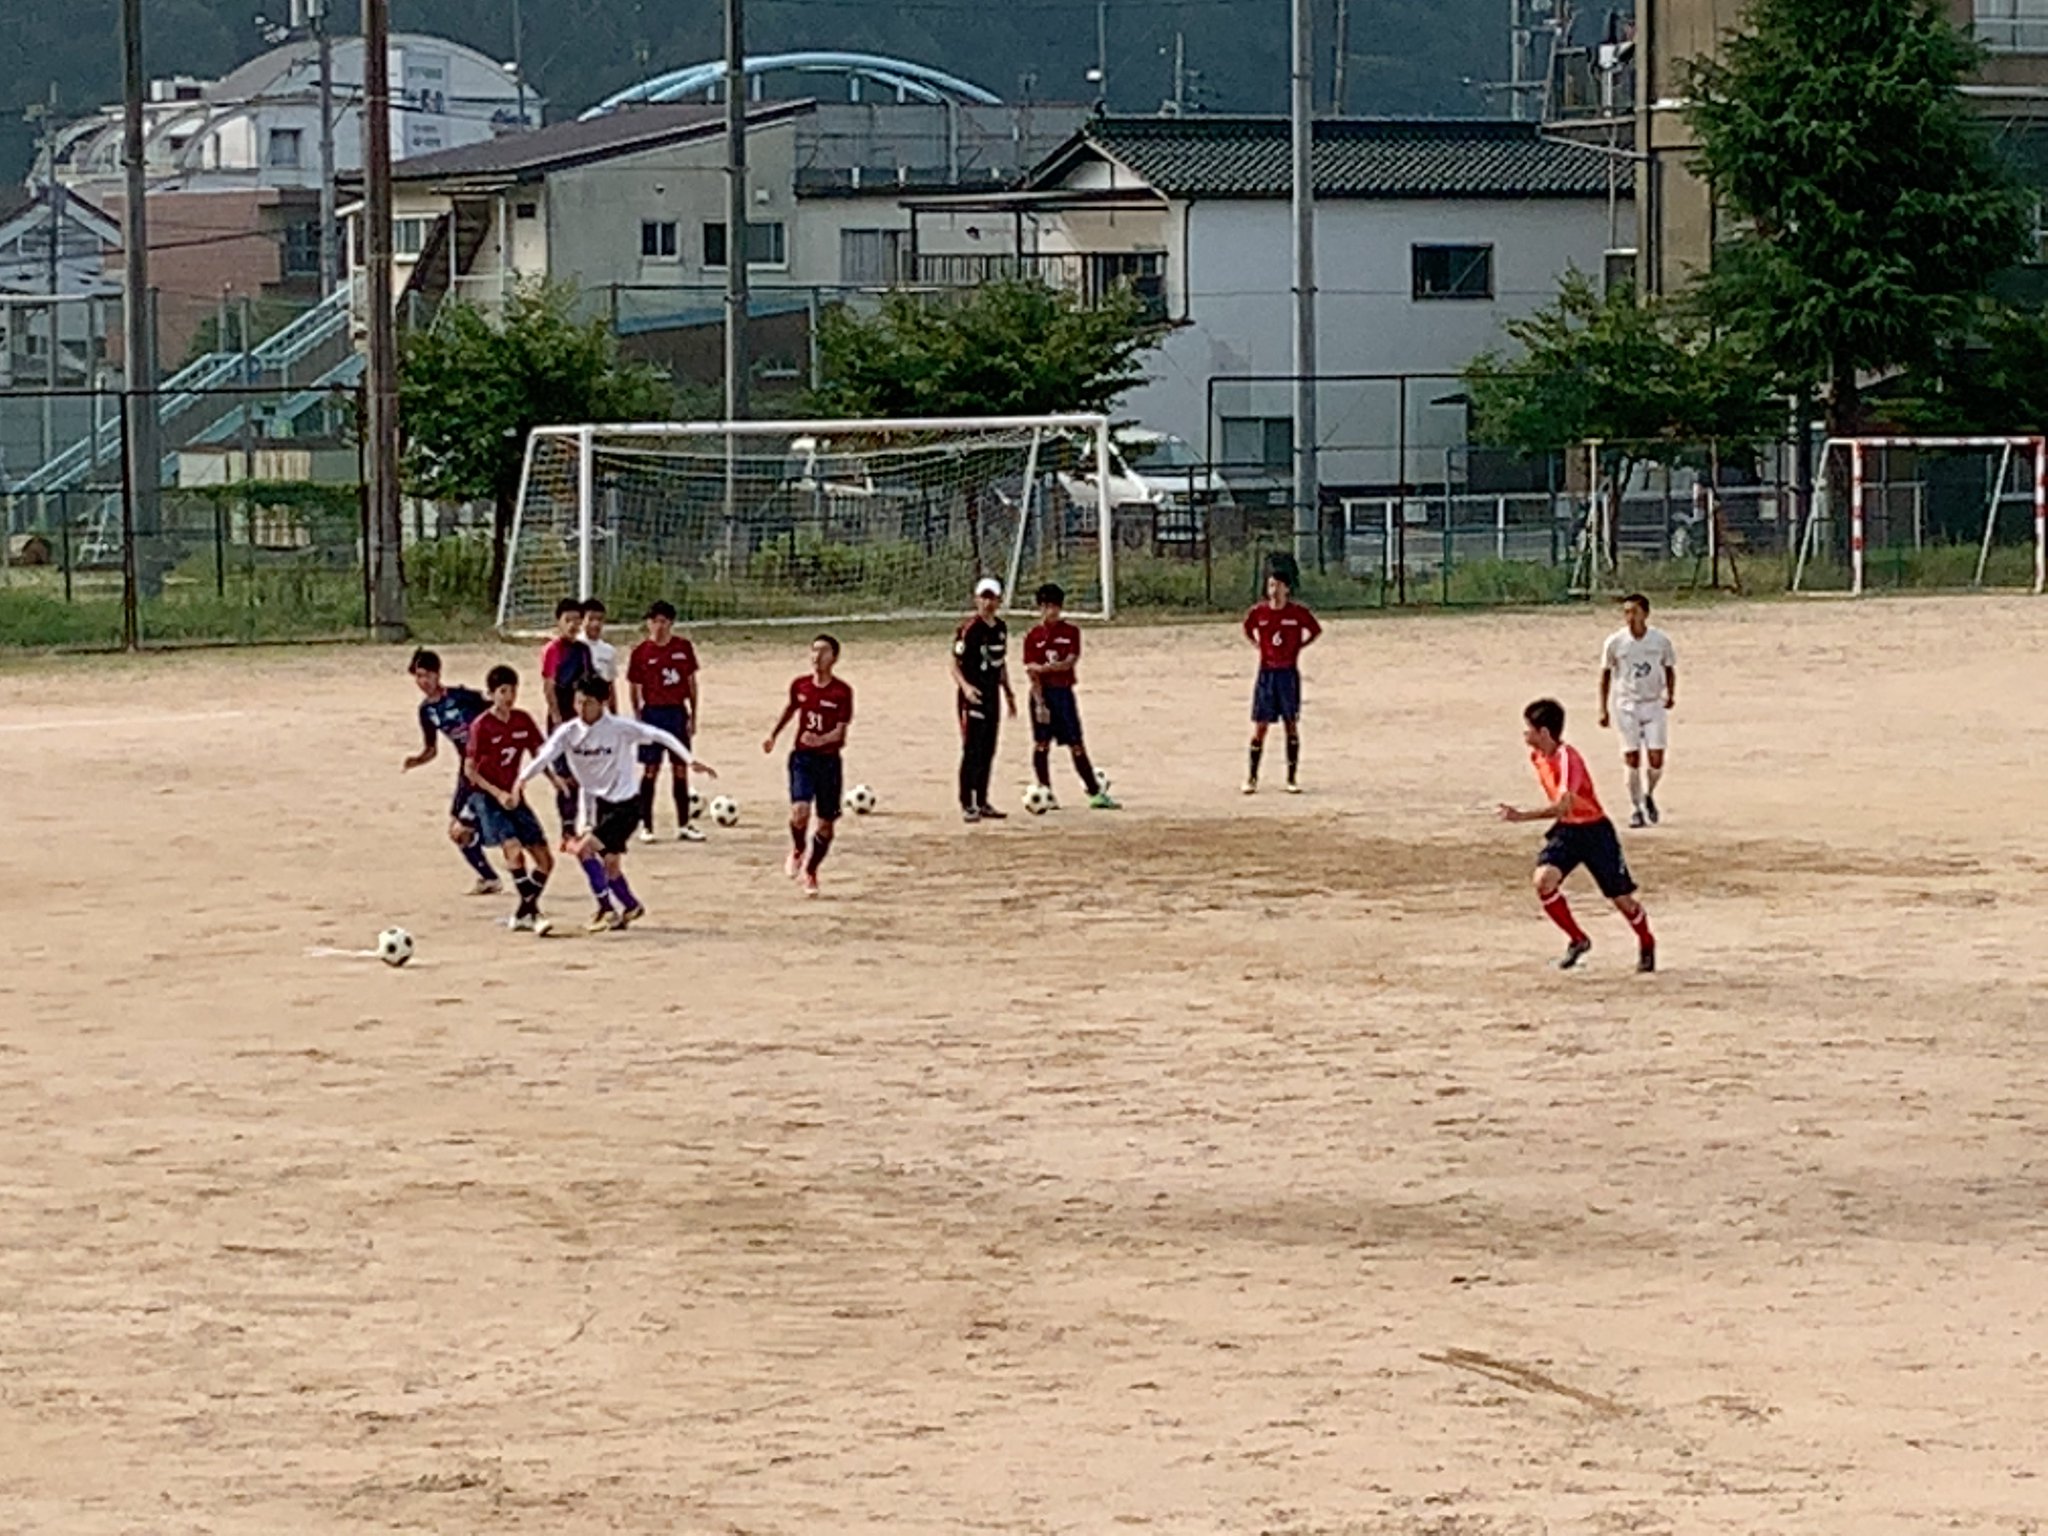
x,y
1859,449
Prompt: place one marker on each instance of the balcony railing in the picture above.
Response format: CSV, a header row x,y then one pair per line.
x,y
1090,275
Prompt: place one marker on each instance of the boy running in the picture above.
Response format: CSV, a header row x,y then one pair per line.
x,y
604,656
1647,666
1282,629
564,661
822,706
1580,833
980,669
662,677
498,738
1051,652
448,712
600,750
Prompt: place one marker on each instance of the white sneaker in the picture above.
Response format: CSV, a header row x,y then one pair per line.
x,y
646,834
487,888
690,834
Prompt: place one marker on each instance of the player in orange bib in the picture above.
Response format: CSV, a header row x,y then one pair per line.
x,y
1580,833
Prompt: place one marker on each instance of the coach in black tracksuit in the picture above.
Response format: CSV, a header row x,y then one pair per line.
x,y
979,672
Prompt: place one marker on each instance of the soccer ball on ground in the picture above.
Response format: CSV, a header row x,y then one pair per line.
x,y
394,946
863,800
725,811
696,805
1038,800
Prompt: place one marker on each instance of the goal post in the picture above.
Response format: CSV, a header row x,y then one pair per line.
x,y
812,521
2015,471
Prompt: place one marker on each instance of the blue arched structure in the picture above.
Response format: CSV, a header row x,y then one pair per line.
x,y
905,80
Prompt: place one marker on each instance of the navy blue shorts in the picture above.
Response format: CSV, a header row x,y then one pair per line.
x,y
459,808
500,826
1064,722
1277,695
816,779
1594,844
673,718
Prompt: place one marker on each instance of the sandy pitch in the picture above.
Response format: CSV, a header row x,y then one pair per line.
x,y
1210,1167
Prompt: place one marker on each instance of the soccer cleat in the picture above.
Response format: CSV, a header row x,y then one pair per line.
x,y
1650,808
646,834
604,921
1251,786
1574,952
542,926
689,834
970,813
487,888
990,813
632,914
810,882
1646,958
1293,788
1635,821
520,922
1100,801
793,866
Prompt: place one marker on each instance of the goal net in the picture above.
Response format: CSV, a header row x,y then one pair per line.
x,y
1927,511
811,521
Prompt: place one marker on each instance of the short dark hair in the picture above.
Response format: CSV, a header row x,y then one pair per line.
x,y
592,686
661,608
1638,599
1282,564
1546,715
1052,592
593,605
424,660
568,605
500,676
831,640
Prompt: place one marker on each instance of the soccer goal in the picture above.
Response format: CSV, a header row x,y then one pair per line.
x,y
812,521
1984,499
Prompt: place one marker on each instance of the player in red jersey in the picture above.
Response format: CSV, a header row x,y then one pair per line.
x,y
662,677
1580,833
822,706
1051,651
1282,629
498,739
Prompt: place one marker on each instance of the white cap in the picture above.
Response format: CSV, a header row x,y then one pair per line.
x,y
988,586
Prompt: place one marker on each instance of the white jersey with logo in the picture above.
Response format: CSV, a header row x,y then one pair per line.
x,y
603,757
1638,667
604,659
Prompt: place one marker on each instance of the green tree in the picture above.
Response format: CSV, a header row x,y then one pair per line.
x,y
1871,212
1007,349
471,387
1994,378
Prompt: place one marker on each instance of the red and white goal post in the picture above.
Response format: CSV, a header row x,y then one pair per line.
x,y
1861,451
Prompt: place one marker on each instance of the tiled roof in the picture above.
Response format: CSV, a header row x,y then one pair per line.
x,y
1223,157
581,141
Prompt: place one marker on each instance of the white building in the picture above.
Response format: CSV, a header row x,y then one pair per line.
x,y
1430,236
73,265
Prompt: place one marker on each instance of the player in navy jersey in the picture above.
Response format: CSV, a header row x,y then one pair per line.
x,y
822,706
446,711
980,672
564,662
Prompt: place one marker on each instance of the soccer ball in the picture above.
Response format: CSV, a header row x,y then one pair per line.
x,y
696,805
725,811
394,946
862,800
1038,800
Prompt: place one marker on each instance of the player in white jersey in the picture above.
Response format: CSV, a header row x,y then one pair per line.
x,y
1638,689
602,751
604,656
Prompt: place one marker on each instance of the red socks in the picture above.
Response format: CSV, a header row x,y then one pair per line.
x,y
1559,911
1641,923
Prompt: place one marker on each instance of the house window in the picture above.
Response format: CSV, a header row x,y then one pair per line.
x,y
526,210
873,258
302,249
658,239
1453,271
1258,442
409,237
284,148
767,245
2013,26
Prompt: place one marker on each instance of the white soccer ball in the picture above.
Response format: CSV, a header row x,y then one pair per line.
x,y
863,800
696,805
394,946
725,811
1038,800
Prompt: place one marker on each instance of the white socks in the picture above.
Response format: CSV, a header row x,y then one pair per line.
x,y
1635,786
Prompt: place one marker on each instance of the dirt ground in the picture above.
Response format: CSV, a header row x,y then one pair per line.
x,y
1214,1166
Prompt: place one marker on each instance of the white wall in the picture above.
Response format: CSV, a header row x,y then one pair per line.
x,y
1237,292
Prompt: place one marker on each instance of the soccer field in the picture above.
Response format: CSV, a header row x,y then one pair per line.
x,y
1209,1166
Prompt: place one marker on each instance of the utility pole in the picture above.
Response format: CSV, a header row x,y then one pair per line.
x,y
387,576
735,210
330,257
138,310
1180,73
519,60
1102,53
1340,63
1307,493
